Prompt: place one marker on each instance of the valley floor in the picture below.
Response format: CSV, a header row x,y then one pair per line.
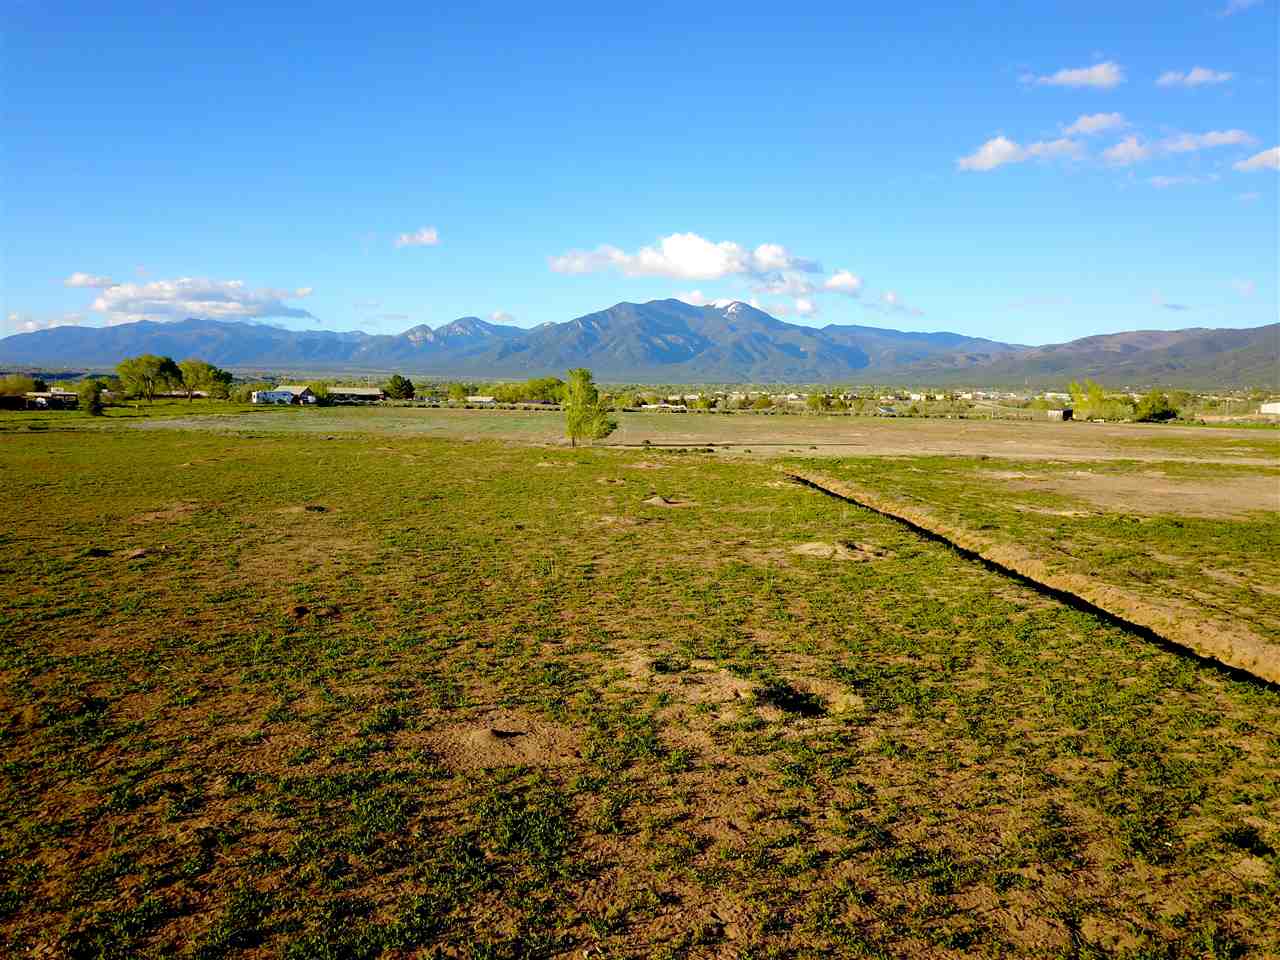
x,y
335,686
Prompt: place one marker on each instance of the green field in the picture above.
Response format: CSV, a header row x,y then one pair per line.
x,y
332,686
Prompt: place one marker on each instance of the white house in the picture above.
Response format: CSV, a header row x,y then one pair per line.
x,y
280,396
1271,408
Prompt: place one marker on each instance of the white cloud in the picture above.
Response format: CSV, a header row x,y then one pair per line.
x,y
1104,75
806,307
1238,6
79,279
425,237
1195,77
842,281
695,298
1000,151
994,153
1128,151
501,316
685,256
23,323
1088,124
1189,142
1266,160
1045,149
788,284
196,297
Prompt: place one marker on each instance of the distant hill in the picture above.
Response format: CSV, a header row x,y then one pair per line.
x,y
671,341
1196,357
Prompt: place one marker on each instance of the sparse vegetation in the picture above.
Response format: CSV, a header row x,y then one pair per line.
x,y
503,706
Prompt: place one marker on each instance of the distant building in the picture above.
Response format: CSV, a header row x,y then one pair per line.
x,y
1271,408
280,396
301,392
51,400
480,399
356,394
1063,414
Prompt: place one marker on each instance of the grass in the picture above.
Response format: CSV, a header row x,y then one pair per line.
x,y
1187,540
490,703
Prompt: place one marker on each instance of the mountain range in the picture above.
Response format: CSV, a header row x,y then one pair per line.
x,y
670,341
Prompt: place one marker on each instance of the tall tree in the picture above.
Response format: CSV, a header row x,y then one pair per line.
x,y
399,388
146,375
585,417
91,396
199,375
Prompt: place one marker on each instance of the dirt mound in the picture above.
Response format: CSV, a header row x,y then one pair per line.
x,y
176,511
505,738
846,550
657,500
611,480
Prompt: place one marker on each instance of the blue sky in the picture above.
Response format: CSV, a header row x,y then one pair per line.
x,y
1027,172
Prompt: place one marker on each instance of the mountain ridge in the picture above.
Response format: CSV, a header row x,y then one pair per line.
x,y
672,341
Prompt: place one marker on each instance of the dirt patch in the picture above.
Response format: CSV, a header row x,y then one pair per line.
x,y
645,465
548,463
505,738
611,521
611,480
176,511
846,550
657,500
304,508
1153,493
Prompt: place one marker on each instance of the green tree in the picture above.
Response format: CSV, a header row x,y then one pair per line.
x,y
585,417
16,385
1154,407
199,375
146,375
817,401
399,388
91,397
320,390
458,392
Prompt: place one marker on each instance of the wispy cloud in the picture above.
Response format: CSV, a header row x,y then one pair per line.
x,y
424,237
196,297
88,280
1090,123
1101,75
1266,160
1190,142
686,256
1000,151
1238,6
1126,153
501,316
1164,183
1195,77
25,323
